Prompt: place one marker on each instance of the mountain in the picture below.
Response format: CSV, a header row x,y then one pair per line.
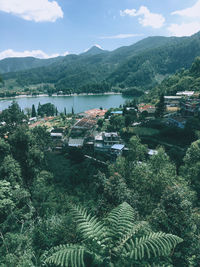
x,y
14,64
94,50
143,65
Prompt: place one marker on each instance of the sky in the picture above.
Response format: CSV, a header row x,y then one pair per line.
x,y
46,28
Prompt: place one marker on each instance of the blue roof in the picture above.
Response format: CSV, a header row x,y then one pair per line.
x,y
117,146
117,112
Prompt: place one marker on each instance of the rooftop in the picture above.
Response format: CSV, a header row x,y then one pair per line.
x,y
117,147
96,112
75,142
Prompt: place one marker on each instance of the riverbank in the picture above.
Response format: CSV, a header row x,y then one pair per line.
x,y
55,95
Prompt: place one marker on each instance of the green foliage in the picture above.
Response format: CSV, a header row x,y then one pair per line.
x,y
47,109
138,65
191,168
111,242
160,107
175,214
33,111
12,117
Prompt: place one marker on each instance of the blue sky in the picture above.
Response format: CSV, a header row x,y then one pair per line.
x,y
45,28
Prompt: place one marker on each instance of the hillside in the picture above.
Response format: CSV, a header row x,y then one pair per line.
x,y
24,63
144,65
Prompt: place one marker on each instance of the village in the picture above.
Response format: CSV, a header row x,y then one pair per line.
x,y
106,132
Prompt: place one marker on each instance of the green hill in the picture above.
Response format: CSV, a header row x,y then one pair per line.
x,y
143,65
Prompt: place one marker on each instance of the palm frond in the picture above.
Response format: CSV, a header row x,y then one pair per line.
x,y
88,225
152,244
121,220
67,255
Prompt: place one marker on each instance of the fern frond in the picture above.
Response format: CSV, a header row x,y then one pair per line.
x,y
67,255
123,241
121,221
88,225
153,244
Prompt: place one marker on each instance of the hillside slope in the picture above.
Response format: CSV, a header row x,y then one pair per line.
x,y
143,64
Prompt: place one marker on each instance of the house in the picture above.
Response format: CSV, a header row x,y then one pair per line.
x,y
185,93
117,149
58,140
82,126
96,113
190,107
117,112
172,101
76,142
56,136
104,141
146,107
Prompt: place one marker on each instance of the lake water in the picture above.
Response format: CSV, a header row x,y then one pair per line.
x,y
79,103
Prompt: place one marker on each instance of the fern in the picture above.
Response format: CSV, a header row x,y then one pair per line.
x,y
111,242
88,225
68,255
121,221
153,244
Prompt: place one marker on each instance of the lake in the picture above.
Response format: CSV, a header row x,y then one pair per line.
x,y
79,103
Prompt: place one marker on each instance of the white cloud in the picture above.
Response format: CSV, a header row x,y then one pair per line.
x,y
191,25
191,12
146,18
121,36
34,53
184,29
33,10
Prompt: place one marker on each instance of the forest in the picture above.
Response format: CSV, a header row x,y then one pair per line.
x,y
143,65
62,209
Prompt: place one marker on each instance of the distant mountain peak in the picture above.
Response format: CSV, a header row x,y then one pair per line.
x,y
94,50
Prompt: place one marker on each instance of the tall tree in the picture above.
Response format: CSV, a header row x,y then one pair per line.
x,y
33,111
160,107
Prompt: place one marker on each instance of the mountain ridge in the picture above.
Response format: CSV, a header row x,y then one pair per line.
x,y
142,64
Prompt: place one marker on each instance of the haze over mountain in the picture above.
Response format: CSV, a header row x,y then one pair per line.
x,y
143,64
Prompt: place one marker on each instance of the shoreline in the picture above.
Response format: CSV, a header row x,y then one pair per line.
x,y
55,95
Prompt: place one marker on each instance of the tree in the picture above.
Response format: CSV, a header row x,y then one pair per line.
x,y
191,168
160,107
47,109
117,240
12,116
10,170
33,111
175,214
137,151
150,178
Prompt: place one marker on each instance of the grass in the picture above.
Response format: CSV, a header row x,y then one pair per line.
x,y
144,131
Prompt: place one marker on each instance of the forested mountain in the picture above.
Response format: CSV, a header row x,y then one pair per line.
x,y
23,63
143,65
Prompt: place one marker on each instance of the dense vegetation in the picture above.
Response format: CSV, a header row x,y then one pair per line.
x,y
66,210
142,65
182,80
